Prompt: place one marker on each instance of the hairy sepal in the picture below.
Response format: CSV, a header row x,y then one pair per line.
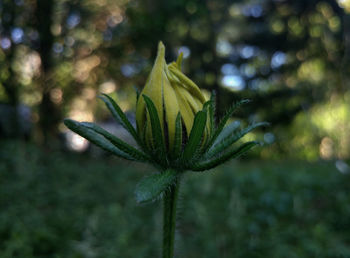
x,y
135,153
226,156
96,138
119,115
226,139
212,110
224,120
157,135
193,145
176,151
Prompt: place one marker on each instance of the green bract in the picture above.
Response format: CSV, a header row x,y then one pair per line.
x,y
176,129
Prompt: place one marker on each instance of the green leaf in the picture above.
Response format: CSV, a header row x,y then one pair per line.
x,y
234,153
224,120
152,186
157,134
196,135
135,153
227,139
119,115
95,138
178,138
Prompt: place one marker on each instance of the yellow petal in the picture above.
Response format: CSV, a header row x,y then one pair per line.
x,y
179,61
171,110
185,109
192,87
194,103
153,89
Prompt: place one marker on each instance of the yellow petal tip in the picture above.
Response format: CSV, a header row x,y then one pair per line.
x,y
161,47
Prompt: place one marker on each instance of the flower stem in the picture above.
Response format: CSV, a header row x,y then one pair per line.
x,y
169,219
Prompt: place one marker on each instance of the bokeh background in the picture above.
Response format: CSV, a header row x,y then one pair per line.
x,y
61,197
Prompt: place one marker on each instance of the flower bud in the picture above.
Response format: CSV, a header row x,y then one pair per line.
x,y
172,93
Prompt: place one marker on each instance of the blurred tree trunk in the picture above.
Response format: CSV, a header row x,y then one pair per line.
x,y
9,83
49,113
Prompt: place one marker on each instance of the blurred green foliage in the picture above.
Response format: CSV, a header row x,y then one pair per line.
x,y
64,205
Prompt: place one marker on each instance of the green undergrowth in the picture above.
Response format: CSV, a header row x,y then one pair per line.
x,y
56,204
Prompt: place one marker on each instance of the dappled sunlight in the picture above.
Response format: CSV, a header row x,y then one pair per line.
x,y
329,126
289,58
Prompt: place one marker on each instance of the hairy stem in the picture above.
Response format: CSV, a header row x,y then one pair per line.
x,y
169,219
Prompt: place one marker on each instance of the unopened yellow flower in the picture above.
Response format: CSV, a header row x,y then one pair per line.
x,y
176,126
172,93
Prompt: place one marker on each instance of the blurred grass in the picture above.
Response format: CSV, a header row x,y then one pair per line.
x,y
55,204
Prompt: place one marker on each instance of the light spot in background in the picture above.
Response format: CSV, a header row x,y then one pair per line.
x,y
234,10
312,70
255,84
69,41
89,93
255,10
17,35
84,66
277,26
326,148
114,20
73,20
75,142
344,4
223,47
278,59
56,95
247,52
269,138
128,70
229,69
342,166
234,82
247,70
29,67
56,29
57,48
185,50
5,43
108,87
80,110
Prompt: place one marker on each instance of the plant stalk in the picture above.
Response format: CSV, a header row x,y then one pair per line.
x,y
169,219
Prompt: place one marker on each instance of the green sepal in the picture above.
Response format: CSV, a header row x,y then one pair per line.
x,y
137,93
135,153
230,129
196,135
176,151
157,135
211,110
119,115
96,138
226,139
224,120
231,154
151,187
